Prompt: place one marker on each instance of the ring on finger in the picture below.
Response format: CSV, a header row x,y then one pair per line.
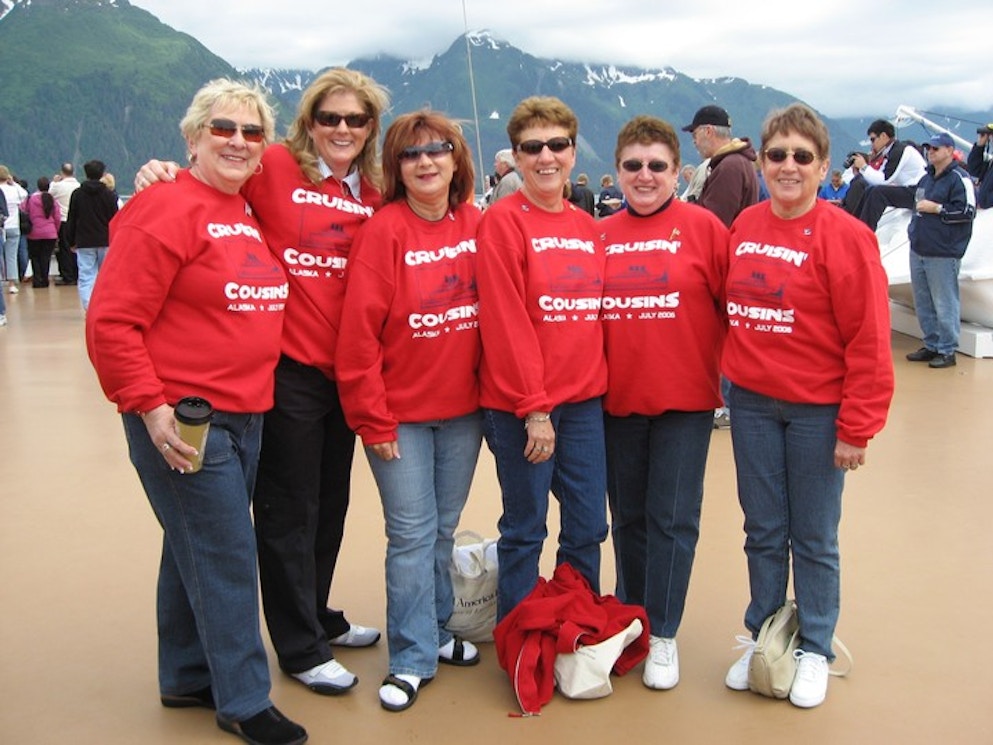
x,y
166,447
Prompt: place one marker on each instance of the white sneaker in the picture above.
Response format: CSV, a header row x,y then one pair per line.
x,y
14,290
811,680
662,665
357,636
329,678
3,320
737,677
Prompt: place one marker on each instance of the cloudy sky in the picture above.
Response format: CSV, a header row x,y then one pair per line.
x,y
844,57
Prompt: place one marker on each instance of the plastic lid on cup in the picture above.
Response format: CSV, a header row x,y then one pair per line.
x,y
194,410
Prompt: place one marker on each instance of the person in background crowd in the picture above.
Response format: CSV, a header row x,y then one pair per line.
x,y
14,194
695,184
610,198
161,327
834,190
939,233
543,373
62,188
731,183
822,295
582,196
310,195
412,396
508,179
979,166
657,434
91,208
888,177
46,219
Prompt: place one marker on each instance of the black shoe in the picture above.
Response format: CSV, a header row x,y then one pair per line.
x,y
922,355
943,360
204,697
269,727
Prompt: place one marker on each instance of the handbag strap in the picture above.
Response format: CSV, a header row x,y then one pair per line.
x,y
837,643
467,536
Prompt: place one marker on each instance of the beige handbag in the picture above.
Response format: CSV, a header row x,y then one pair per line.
x,y
773,663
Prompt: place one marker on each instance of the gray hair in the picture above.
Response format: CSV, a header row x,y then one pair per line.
x,y
505,156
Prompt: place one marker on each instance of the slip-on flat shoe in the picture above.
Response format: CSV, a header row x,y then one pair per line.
x,y
268,727
204,698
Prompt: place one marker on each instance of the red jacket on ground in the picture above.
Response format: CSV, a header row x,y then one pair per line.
x,y
555,617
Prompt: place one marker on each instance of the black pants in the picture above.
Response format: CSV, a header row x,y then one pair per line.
x,y
300,501
877,198
40,252
66,258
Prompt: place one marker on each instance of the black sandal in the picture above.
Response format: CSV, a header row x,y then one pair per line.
x,y
458,657
407,688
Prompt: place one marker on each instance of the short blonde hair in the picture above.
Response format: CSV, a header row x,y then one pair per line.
x,y
226,91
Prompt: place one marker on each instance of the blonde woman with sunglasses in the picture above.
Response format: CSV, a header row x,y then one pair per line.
x,y
190,302
311,193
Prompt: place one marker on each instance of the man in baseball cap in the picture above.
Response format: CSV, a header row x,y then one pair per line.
x,y
709,115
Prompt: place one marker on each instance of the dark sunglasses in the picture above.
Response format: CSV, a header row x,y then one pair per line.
x,y
331,119
534,147
431,149
779,155
227,128
655,166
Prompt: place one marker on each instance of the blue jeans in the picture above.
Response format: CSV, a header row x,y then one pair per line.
x,y
935,281
89,261
11,246
577,477
208,608
655,469
790,492
423,493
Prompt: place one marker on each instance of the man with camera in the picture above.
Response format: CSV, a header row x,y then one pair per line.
x,y
980,168
889,175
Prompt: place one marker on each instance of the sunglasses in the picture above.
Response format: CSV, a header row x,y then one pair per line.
x,y
534,147
779,155
331,119
227,128
431,149
655,166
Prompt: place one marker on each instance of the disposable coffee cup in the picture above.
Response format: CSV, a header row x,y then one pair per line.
x,y
193,415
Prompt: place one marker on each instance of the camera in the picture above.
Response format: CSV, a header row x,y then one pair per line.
x,y
850,159
985,130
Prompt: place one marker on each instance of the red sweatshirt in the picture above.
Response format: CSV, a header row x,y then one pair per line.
x,y
663,321
408,348
310,230
189,302
809,314
540,284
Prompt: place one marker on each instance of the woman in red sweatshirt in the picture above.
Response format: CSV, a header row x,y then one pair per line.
x,y
664,327
407,361
543,370
311,193
808,355
190,303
